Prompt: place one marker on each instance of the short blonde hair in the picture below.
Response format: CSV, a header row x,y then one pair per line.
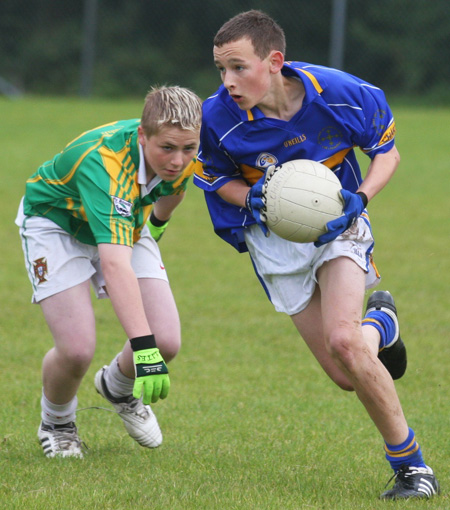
x,y
171,106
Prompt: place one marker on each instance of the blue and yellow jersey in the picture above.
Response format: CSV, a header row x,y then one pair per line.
x,y
339,113
91,188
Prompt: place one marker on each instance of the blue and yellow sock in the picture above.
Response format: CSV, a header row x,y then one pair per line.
x,y
406,454
385,325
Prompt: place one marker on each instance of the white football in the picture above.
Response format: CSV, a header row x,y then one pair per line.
x,y
301,197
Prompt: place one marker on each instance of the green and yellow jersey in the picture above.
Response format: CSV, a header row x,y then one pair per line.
x,y
95,188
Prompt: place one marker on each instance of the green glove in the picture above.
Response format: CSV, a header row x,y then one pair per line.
x,y
152,375
156,227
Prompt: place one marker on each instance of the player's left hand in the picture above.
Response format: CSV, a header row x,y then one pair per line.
x,y
254,203
152,376
353,207
156,227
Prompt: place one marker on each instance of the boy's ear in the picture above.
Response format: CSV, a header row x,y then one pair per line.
x,y
276,59
141,135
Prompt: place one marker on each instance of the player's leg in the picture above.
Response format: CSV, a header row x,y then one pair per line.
x,y
163,318
162,315
352,347
115,381
71,321
59,268
335,345
70,318
309,324
342,294
381,314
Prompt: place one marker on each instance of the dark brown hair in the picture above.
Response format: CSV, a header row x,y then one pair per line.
x,y
264,32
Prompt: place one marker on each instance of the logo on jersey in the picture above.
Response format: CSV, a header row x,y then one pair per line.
x,y
122,206
294,141
388,135
330,138
379,121
40,269
266,159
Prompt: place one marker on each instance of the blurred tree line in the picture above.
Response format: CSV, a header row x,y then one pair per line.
x,y
402,46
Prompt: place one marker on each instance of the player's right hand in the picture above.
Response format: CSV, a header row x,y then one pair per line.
x,y
353,207
152,376
254,203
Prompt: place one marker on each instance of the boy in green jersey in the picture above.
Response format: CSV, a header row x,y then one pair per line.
x,y
84,220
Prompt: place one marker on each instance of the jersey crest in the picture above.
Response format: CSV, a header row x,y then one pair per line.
x,y
122,206
266,159
40,269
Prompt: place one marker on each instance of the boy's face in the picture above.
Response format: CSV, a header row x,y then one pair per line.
x,y
246,77
168,152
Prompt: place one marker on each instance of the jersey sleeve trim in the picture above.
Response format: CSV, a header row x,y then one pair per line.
x,y
313,79
385,140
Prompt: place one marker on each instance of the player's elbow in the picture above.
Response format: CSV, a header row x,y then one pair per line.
x,y
396,155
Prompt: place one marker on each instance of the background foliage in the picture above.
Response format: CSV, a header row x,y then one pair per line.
x,y
402,46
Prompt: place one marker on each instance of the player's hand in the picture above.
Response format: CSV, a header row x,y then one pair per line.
x,y
254,203
157,227
353,207
152,376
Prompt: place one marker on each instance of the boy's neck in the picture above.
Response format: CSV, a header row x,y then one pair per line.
x,y
287,99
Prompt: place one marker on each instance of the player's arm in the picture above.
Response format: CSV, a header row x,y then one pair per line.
x,y
238,192
235,192
165,206
123,288
152,379
161,214
380,172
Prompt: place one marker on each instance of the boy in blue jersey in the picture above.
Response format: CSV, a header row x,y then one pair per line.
x,y
83,221
267,112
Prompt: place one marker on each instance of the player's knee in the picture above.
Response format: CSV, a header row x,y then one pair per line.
x,y
343,383
339,378
77,358
341,345
169,346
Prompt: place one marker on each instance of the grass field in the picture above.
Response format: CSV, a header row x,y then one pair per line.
x,y
251,422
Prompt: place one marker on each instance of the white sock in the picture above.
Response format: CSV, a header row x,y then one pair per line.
x,y
55,414
118,384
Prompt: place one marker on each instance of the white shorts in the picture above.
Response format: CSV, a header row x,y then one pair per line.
x,y
56,261
288,270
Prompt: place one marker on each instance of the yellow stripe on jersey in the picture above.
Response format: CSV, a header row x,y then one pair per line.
x,y
121,169
78,213
107,134
197,167
186,173
388,135
137,231
123,185
69,175
336,159
250,115
251,174
313,80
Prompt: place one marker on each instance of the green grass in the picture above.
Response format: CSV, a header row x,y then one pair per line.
x,y
251,421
